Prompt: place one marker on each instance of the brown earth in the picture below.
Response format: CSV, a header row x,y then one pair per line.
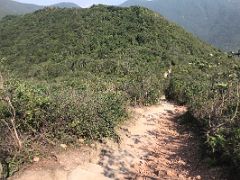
x,y
153,145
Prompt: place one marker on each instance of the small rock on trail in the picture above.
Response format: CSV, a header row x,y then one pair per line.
x,y
153,146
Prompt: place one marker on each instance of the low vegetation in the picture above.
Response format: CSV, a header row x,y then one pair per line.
x,y
212,95
71,73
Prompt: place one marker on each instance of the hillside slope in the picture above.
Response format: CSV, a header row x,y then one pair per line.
x,y
79,69
53,37
208,19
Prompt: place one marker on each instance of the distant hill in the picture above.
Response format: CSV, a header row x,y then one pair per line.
x,y
216,22
65,5
9,7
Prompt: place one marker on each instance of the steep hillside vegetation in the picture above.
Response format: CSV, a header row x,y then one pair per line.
x,y
78,69
53,38
9,7
213,21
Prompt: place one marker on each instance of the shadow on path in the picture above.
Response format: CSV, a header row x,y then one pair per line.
x,y
157,147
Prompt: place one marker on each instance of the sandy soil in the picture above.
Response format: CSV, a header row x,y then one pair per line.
x,y
153,145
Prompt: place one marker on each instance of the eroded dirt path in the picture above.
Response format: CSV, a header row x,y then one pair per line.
x,y
153,146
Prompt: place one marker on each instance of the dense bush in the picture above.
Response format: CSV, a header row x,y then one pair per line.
x,y
212,96
57,116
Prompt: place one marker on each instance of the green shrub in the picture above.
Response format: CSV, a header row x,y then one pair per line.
x,y
39,110
212,96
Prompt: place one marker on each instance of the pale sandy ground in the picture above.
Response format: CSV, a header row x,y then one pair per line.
x,y
152,146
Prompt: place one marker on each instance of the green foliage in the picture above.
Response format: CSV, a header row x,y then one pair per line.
x,y
39,110
128,47
212,95
78,69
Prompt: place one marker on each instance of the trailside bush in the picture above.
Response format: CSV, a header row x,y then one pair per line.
x,y
91,115
144,90
46,116
213,99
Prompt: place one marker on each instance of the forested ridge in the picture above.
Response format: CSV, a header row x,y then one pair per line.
x,y
79,69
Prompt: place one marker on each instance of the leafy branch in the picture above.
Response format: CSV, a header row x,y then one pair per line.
x,y
12,124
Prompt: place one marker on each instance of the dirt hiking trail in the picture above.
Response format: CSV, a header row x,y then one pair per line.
x,y
153,145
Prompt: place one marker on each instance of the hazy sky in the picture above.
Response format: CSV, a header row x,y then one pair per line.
x,y
82,3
